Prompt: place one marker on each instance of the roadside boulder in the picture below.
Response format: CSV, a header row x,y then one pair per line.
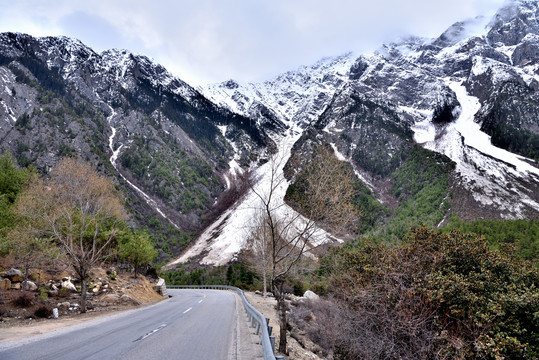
x,y
64,304
29,285
5,284
128,300
109,298
15,275
53,289
310,295
67,284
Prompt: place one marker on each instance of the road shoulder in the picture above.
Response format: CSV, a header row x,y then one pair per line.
x,y
247,343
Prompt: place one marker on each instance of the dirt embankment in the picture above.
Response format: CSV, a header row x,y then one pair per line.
x,y
106,295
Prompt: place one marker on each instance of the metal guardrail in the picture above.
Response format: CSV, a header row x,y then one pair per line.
x,y
255,317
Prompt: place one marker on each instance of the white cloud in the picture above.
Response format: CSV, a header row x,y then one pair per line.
x,y
213,40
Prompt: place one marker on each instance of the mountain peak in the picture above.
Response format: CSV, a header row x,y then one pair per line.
x,y
513,22
462,30
297,96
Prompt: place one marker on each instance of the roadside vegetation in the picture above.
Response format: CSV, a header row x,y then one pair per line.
x,y
469,290
237,274
72,220
436,296
522,234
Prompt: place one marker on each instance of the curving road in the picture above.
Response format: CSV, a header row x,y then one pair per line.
x,y
193,324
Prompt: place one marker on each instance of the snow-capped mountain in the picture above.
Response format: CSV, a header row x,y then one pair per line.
x,y
468,96
464,95
128,116
295,97
433,128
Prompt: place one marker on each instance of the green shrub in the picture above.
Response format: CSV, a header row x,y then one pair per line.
x,y
523,233
43,293
443,295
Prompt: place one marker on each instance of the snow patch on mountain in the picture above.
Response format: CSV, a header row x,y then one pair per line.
x,y
9,114
115,153
360,176
299,95
483,167
474,137
234,168
222,241
500,72
113,158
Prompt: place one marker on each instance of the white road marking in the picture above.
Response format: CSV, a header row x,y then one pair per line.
x,y
187,310
151,332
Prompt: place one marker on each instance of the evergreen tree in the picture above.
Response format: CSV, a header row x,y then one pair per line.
x,y
138,249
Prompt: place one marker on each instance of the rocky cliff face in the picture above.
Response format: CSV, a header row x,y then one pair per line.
x,y
167,144
470,94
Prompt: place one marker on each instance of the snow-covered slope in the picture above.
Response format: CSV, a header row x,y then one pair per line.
x,y
283,106
444,94
483,167
222,241
298,96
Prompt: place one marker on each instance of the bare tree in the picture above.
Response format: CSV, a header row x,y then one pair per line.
x,y
261,247
80,210
323,194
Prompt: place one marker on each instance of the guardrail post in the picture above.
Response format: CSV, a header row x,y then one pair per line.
x,y
272,341
257,328
270,328
253,322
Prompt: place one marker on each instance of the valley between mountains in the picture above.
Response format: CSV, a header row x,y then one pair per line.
x,y
454,117
468,96
401,184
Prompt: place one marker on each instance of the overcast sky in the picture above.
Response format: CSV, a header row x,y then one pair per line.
x,y
207,41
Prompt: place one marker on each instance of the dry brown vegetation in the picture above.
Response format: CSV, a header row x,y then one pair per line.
x,y
439,296
123,291
77,208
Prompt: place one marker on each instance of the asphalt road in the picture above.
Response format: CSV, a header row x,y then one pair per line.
x,y
193,324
